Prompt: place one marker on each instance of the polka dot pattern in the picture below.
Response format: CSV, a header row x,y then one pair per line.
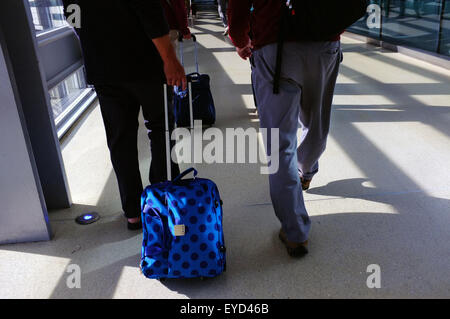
x,y
199,253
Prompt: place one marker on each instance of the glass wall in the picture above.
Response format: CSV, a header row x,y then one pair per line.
x,y
364,26
47,14
444,45
422,24
69,93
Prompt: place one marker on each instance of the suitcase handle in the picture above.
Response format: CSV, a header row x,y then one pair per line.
x,y
193,77
180,40
186,172
166,113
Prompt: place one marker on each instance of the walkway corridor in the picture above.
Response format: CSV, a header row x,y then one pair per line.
x,y
382,195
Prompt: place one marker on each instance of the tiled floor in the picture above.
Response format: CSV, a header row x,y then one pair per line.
x,y
382,196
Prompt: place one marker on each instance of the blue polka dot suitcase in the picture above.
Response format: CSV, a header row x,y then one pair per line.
x,y
182,224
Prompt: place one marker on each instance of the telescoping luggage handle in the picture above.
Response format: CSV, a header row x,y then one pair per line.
x,y
180,40
168,150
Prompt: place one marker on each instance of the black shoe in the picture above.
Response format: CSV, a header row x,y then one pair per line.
x,y
305,183
295,250
135,226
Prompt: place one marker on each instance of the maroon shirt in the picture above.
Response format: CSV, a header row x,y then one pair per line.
x,y
263,22
176,15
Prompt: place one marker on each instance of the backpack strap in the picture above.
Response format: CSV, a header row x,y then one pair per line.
x,y
279,61
280,46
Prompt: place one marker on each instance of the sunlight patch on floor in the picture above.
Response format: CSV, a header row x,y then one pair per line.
x,y
342,79
43,273
236,69
442,100
359,100
209,41
375,69
132,284
414,148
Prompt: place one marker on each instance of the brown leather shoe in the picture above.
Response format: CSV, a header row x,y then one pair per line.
x,y
305,183
295,250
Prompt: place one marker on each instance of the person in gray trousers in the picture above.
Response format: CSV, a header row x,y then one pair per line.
x,y
308,78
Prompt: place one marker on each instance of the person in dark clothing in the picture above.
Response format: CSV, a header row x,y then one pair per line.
x,y
128,57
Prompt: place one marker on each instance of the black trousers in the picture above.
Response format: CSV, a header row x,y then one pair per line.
x,y
120,106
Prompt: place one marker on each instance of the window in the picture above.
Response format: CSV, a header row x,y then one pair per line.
x,y
423,24
414,23
47,14
444,45
69,99
67,92
361,26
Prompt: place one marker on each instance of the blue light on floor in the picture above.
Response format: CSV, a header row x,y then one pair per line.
x,y
87,219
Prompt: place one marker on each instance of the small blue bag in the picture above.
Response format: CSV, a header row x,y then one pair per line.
x,y
182,229
202,98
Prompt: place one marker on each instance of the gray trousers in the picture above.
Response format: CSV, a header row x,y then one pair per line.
x,y
308,79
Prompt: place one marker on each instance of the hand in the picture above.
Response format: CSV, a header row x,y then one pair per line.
x,y
245,52
173,70
187,36
175,73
